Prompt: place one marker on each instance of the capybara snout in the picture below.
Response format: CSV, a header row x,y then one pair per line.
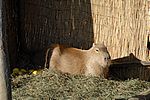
x,y
95,61
106,59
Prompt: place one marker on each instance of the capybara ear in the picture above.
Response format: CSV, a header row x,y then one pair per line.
x,y
94,44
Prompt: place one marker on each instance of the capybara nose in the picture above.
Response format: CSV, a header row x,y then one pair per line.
x,y
107,58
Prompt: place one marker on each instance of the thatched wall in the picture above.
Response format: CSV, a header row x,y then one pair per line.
x,y
122,25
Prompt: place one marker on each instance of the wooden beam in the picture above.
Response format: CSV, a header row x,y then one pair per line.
x,y
132,62
5,87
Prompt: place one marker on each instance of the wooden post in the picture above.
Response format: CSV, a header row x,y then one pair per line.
x,y
5,89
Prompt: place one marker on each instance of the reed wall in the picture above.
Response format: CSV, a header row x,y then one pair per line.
x,y
122,25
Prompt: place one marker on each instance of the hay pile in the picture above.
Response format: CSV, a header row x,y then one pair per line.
x,y
54,85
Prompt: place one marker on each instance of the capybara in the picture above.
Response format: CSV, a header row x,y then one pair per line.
x,y
94,61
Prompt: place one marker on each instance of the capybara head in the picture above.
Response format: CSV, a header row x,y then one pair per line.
x,y
100,54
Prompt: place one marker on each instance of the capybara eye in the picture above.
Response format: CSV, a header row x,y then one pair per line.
x,y
97,50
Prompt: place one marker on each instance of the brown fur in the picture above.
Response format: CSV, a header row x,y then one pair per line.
x,y
94,61
48,52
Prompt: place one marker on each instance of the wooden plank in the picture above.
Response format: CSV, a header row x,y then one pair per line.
x,y
132,62
5,89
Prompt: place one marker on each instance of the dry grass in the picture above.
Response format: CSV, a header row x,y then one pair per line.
x,y
54,85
